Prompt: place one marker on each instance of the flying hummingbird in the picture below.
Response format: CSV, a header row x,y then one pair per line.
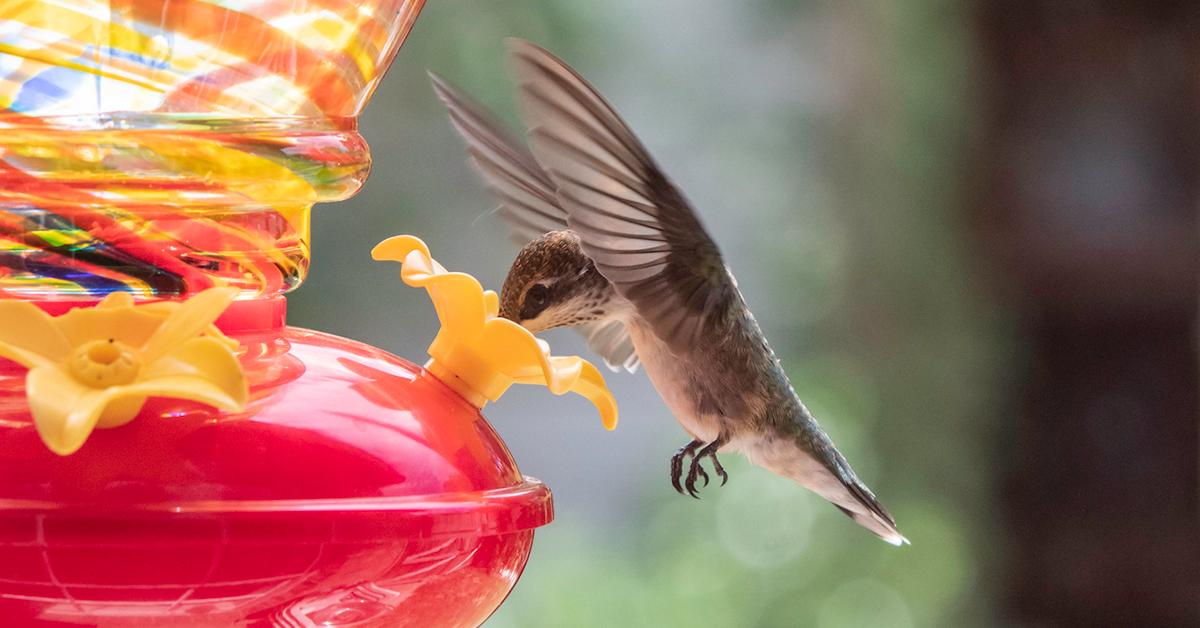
x,y
615,250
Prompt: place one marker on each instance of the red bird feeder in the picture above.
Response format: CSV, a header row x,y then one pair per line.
x,y
171,453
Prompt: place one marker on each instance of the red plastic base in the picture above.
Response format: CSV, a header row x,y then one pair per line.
x,y
328,570
357,490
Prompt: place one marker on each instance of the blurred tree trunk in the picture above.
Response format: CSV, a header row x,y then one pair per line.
x,y
1086,185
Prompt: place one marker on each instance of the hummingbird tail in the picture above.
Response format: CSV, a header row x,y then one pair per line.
x,y
867,512
819,467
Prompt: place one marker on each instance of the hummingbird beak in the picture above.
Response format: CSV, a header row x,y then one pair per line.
x,y
510,304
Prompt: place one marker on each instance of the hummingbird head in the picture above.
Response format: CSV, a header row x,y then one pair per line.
x,y
553,283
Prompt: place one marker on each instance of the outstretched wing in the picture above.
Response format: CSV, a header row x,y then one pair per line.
x,y
634,223
527,195
529,201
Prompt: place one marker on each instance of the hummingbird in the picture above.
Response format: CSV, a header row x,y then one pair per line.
x,y
616,251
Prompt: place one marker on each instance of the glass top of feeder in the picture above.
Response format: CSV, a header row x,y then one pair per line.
x,y
162,147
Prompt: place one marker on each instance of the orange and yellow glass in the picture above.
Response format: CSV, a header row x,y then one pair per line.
x,y
161,147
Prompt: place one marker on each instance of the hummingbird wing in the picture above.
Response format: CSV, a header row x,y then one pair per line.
x,y
529,200
611,340
634,223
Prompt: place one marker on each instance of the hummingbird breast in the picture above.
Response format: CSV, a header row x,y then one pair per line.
x,y
711,392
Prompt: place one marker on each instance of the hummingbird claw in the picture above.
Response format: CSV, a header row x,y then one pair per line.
x,y
697,468
698,451
693,472
717,468
677,463
720,470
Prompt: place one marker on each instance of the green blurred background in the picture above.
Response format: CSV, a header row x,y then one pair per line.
x,y
856,162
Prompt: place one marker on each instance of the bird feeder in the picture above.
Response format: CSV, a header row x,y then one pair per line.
x,y
171,452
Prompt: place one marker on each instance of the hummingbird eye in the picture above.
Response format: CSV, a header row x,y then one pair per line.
x,y
536,297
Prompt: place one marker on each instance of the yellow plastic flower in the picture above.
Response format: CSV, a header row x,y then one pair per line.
x,y
477,353
95,366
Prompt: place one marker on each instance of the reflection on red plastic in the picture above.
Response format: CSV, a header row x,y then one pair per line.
x,y
356,490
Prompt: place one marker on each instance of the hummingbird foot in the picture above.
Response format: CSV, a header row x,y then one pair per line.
x,y
677,463
711,452
697,469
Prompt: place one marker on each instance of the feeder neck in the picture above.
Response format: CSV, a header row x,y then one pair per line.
x,y
456,383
